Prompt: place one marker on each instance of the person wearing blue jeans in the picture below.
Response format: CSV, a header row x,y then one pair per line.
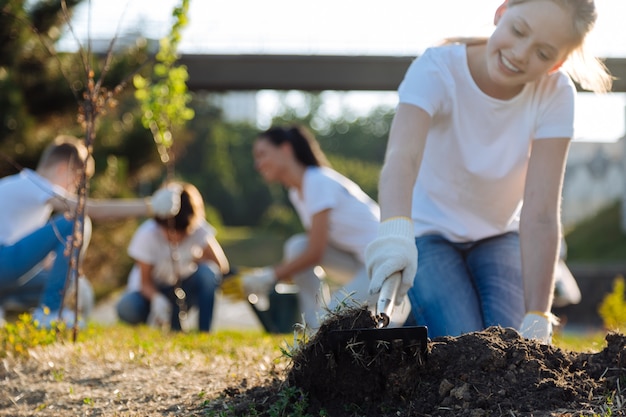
x,y
34,243
172,254
479,284
199,288
476,157
27,266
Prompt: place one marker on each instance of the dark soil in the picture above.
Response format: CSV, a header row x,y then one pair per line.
x,y
490,373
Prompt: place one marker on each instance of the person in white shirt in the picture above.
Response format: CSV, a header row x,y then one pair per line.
x,y
474,168
34,247
173,254
340,219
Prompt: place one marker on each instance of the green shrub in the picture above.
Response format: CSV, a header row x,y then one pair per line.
x,y
16,338
613,307
281,219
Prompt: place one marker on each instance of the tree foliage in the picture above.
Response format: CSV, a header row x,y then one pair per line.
x,y
40,88
164,100
32,86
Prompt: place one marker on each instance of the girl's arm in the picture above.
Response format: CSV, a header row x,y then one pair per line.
x,y
318,240
403,158
540,221
214,252
109,208
147,284
394,251
164,202
118,208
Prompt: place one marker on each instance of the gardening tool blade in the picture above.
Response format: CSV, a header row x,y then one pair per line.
x,y
409,336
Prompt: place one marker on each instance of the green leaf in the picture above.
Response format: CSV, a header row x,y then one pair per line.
x,y
164,99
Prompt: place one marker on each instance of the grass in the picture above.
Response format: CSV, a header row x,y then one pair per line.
x,y
250,247
16,338
598,239
135,369
589,342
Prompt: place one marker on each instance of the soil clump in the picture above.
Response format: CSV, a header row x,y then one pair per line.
x,y
489,373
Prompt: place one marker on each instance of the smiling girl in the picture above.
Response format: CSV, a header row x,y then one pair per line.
x,y
474,169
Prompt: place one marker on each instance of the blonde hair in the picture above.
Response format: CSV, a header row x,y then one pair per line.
x,y
581,66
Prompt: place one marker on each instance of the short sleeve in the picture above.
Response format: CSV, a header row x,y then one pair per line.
x,y
424,84
555,117
320,192
142,245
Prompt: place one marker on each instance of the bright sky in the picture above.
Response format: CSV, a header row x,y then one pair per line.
x,y
353,27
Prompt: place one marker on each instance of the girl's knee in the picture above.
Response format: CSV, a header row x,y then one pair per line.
x,y
132,308
207,277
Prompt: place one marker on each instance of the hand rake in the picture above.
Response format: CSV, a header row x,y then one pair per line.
x,y
381,334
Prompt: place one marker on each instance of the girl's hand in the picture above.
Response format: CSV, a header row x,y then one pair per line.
x,y
160,311
393,251
537,325
165,202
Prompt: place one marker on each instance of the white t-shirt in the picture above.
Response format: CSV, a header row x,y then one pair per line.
x,y
24,205
471,181
354,216
149,245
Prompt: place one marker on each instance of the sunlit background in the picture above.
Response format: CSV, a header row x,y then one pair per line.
x,y
340,27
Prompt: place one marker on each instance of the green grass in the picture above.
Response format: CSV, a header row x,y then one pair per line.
x,y
245,246
598,239
588,343
16,338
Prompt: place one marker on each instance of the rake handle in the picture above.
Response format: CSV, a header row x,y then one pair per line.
x,y
387,298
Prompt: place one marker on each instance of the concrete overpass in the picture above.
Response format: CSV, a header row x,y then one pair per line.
x,y
314,72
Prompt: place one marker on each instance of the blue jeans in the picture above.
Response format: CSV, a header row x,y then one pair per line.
x,y
199,287
468,286
45,286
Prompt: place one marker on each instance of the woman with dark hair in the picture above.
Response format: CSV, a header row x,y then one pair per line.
x,y
339,218
170,254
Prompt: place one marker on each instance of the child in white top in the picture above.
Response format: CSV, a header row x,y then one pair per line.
x,y
173,254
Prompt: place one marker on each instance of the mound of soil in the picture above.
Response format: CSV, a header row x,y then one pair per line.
x,y
489,373
494,372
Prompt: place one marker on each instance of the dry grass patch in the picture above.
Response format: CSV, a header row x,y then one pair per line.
x,y
123,371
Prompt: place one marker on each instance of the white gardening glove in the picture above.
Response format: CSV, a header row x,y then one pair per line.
x,y
259,281
392,251
165,202
537,325
160,311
